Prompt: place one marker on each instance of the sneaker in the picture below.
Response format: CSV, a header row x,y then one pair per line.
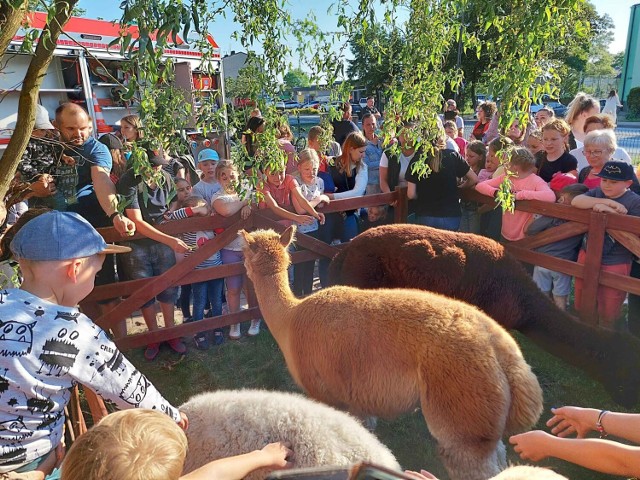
x,y
254,329
152,350
177,345
234,332
201,340
218,336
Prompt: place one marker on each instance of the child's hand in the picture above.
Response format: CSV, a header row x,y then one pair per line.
x,y
422,475
321,218
602,208
617,207
531,445
304,219
184,421
202,210
178,245
324,199
278,455
245,212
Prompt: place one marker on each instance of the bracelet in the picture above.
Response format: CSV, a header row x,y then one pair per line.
x,y
114,215
599,426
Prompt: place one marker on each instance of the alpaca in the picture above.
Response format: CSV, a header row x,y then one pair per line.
x,y
479,271
384,352
527,472
227,423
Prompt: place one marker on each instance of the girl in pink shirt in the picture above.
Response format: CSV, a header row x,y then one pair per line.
x,y
525,184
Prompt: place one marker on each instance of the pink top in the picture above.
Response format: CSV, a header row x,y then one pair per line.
x,y
462,145
290,150
281,194
529,188
484,174
591,182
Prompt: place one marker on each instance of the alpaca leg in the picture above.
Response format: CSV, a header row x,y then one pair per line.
x,y
473,461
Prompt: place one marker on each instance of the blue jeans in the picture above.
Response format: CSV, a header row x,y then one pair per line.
x,y
350,227
208,291
443,223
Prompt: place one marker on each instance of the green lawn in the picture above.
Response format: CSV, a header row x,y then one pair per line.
x,y
257,363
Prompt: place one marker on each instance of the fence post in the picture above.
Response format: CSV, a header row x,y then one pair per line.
x,y
591,269
401,210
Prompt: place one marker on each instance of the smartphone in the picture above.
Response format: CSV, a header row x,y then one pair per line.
x,y
370,471
311,473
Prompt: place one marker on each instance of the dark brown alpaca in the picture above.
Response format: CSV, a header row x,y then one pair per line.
x,y
479,271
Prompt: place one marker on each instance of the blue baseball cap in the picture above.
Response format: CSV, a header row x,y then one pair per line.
x,y
58,235
208,154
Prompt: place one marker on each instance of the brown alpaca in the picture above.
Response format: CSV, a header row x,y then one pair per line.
x,y
479,271
384,352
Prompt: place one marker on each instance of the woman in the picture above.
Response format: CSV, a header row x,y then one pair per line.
x,y
285,136
350,176
485,111
599,148
600,121
436,194
255,125
130,129
611,105
373,153
582,107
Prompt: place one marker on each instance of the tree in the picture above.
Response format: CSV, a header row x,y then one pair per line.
x,y
618,61
296,78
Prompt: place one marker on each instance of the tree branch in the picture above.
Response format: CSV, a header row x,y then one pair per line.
x,y
11,17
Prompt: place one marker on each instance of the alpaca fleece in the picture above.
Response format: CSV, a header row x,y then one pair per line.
x,y
227,423
478,270
384,352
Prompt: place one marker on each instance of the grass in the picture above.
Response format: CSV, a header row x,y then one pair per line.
x,y
257,363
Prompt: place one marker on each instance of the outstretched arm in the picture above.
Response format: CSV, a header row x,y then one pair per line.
x,y
272,456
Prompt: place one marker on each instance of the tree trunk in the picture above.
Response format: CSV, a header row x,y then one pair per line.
x,y
10,19
29,95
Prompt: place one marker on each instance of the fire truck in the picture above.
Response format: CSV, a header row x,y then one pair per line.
x,y
85,70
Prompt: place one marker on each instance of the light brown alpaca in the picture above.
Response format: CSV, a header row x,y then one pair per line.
x,y
384,352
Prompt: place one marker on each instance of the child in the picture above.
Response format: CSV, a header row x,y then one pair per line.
x,y
143,444
227,202
452,132
490,217
534,142
601,455
207,186
208,290
48,345
183,191
556,158
555,284
612,196
312,188
476,156
526,185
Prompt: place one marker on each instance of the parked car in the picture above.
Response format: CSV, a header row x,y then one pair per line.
x,y
363,102
280,105
559,109
325,107
356,110
289,104
312,104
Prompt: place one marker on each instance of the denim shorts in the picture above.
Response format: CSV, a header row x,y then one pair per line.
x,y
549,281
149,260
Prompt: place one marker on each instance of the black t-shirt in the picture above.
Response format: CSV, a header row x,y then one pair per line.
x,y
564,164
342,129
372,110
438,192
132,187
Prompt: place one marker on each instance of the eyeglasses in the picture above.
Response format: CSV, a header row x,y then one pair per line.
x,y
592,153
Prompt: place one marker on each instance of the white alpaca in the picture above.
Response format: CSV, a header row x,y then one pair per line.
x,y
227,423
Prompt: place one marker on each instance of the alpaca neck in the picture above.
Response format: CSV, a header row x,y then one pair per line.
x,y
276,300
566,337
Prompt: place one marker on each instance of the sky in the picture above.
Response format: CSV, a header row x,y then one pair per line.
x,y
618,10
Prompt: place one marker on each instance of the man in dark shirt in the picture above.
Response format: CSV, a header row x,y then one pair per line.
x,y
342,128
370,108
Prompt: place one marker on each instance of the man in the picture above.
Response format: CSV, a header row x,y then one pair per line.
x,y
342,128
370,108
95,192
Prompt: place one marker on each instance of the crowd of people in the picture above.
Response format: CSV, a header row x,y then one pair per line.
x,y
71,182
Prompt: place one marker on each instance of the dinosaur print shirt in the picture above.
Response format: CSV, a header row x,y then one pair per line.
x,y
45,349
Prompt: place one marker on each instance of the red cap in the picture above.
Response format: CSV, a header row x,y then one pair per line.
x,y
561,180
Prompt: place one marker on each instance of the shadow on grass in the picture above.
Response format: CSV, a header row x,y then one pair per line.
x,y
257,363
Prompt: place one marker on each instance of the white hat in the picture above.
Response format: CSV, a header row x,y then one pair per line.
x,y
42,119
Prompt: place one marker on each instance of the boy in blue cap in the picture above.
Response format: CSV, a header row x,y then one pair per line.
x,y
47,345
208,185
612,196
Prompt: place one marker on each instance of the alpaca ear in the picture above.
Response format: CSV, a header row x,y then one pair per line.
x,y
288,236
247,237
